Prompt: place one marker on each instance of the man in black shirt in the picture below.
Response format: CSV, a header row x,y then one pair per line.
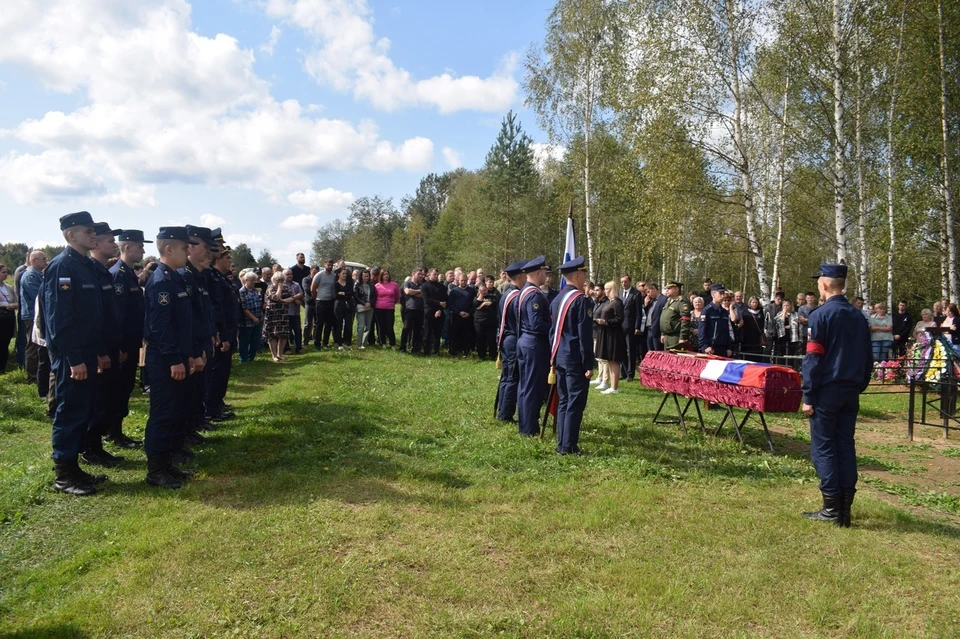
x,y
902,325
300,269
434,294
412,312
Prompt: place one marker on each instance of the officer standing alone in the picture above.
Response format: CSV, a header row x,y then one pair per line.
x,y
533,348
572,354
836,369
72,312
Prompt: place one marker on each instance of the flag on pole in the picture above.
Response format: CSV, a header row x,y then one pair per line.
x,y
570,246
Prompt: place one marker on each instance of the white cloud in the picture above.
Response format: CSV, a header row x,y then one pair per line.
x,y
165,104
544,153
324,200
250,239
453,157
302,221
267,47
352,59
137,196
212,221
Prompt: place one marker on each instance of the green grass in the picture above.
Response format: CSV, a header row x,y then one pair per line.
x,y
373,494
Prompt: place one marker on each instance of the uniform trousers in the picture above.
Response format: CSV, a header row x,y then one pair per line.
x,y
74,400
165,430
572,387
509,379
832,427
104,390
219,378
533,359
197,388
125,380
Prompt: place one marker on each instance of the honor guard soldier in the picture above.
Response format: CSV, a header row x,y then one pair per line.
x,y
836,369
507,343
572,354
675,317
227,298
128,302
199,258
716,334
215,293
105,382
168,333
533,348
72,312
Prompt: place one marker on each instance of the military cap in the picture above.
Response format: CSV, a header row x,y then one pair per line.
x,y
175,233
76,219
837,271
547,268
202,233
102,228
217,234
571,266
515,269
718,287
535,264
132,235
672,283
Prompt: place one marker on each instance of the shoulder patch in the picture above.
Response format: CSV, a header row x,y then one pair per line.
x,y
163,299
63,283
118,289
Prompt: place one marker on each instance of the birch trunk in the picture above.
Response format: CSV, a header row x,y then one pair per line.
x,y
861,186
744,168
954,286
891,249
587,123
781,187
839,136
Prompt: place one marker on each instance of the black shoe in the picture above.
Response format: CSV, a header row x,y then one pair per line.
x,y
180,473
227,407
182,456
122,441
846,502
195,438
158,473
100,458
69,481
221,417
830,511
206,425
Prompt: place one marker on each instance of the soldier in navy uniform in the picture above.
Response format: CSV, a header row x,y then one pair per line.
x,y
507,336
228,299
217,298
715,333
128,303
168,332
836,369
105,382
533,348
71,306
572,351
204,333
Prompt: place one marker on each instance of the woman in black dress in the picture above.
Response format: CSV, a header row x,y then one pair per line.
x,y
751,334
611,344
343,306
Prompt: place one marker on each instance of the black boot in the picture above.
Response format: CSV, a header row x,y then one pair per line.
x,y
97,456
68,481
93,480
195,438
846,502
180,473
158,473
830,511
182,456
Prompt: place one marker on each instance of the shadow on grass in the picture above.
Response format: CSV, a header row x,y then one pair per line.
x,y
57,631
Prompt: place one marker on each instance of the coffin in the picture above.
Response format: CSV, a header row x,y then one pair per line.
x,y
741,384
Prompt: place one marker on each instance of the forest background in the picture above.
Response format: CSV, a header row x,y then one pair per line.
x,y
747,141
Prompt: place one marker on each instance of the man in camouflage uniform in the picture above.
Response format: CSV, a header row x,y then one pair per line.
x,y
675,319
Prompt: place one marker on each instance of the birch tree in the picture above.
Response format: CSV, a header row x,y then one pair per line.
x,y
953,286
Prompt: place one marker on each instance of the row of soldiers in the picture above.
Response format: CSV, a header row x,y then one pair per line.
x,y
94,322
543,343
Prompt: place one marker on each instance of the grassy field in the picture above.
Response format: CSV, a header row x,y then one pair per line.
x,y
373,494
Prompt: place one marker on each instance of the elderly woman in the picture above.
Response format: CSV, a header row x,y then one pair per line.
x,y
926,321
251,305
276,326
881,332
611,344
8,316
696,319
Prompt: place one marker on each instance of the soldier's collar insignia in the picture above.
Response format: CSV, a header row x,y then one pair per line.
x,y
163,299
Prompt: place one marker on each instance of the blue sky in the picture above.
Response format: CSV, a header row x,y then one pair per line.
x,y
264,117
